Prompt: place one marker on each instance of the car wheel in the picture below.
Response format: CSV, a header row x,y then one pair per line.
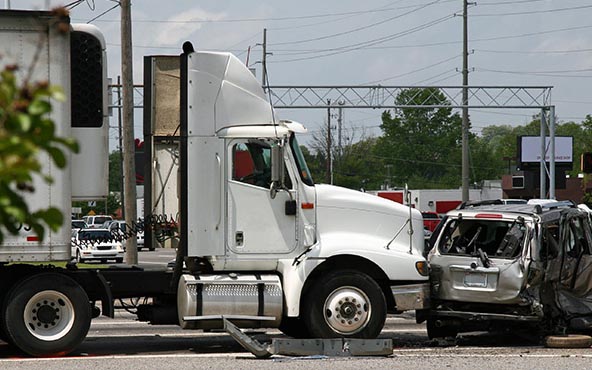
x,y
346,303
47,315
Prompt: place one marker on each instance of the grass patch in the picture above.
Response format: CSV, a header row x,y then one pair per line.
x,y
62,264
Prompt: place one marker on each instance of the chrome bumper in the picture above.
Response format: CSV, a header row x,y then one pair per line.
x,y
411,297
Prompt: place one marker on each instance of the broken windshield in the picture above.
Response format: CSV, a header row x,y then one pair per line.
x,y
473,237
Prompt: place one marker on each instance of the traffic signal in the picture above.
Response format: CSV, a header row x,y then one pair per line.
x,y
587,162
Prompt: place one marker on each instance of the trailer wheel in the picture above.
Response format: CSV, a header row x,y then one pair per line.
x,y
345,303
47,314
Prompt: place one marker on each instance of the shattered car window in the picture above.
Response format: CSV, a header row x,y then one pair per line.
x,y
499,239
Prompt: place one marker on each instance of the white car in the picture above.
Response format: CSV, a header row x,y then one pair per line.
x,y
96,222
119,226
95,244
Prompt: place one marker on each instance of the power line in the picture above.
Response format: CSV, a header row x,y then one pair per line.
x,y
541,73
272,19
362,45
356,29
534,11
413,71
533,51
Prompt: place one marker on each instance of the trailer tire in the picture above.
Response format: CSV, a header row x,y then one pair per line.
x,y
568,341
47,314
345,303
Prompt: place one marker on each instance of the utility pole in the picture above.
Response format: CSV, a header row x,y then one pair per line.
x,y
121,187
264,59
465,109
129,170
329,175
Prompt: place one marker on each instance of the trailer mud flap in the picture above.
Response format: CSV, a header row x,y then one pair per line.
x,y
107,305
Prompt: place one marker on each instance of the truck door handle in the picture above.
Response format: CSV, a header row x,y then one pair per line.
x,y
219,207
239,238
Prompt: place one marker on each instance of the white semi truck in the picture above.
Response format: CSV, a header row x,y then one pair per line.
x,y
260,244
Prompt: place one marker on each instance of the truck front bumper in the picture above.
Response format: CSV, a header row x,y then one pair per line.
x,y
411,297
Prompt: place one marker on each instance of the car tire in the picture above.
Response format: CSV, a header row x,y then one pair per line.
x,y
568,341
347,304
47,314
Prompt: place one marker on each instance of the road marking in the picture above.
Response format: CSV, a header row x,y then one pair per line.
x,y
246,354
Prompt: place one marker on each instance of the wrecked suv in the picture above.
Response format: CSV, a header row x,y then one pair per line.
x,y
496,266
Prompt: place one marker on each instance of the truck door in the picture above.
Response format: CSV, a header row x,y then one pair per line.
x,y
256,222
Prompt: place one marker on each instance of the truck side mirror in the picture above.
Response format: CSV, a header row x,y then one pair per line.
x,y
277,169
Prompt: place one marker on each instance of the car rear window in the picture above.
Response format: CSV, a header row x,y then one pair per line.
x,y
94,235
499,239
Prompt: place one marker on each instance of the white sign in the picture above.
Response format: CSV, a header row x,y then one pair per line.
x,y
531,149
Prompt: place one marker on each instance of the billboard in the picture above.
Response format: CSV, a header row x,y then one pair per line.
x,y
529,150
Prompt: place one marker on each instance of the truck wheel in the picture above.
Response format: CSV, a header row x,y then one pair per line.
x,y
47,314
345,304
435,331
294,327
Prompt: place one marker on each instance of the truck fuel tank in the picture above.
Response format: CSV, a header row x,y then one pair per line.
x,y
248,300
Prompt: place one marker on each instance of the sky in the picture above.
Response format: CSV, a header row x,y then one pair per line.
x,y
346,42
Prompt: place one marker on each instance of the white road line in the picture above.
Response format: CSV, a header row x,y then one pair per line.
x,y
244,354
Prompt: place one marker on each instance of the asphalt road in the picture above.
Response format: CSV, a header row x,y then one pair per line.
x,y
123,343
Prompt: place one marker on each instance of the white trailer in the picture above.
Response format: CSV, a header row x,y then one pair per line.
x,y
260,244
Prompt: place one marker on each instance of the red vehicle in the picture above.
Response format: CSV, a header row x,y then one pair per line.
x,y
430,220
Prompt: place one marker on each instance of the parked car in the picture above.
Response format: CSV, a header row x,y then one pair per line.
x,y
505,266
79,224
119,227
95,222
95,244
430,220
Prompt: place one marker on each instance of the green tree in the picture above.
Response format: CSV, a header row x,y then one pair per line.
x,y
26,132
422,144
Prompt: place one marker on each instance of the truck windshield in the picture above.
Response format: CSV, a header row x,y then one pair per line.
x,y
300,161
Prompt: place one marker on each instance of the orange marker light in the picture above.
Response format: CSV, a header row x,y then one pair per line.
x,y
307,205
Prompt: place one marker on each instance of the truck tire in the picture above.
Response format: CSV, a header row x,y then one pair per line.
x,y
47,314
568,341
345,303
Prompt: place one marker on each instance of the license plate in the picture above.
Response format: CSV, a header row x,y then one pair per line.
x,y
475,280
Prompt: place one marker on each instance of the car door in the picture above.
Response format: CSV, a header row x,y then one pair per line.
x,y
257,223
569,273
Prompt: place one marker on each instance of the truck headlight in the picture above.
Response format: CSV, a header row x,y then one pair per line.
x,y
422,268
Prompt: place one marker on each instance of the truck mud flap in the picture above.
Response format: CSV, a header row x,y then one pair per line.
x,y
343,347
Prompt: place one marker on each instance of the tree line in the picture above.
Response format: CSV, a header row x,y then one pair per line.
x,y
421,147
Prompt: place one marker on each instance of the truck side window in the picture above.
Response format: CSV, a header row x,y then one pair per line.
x,y
252,163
